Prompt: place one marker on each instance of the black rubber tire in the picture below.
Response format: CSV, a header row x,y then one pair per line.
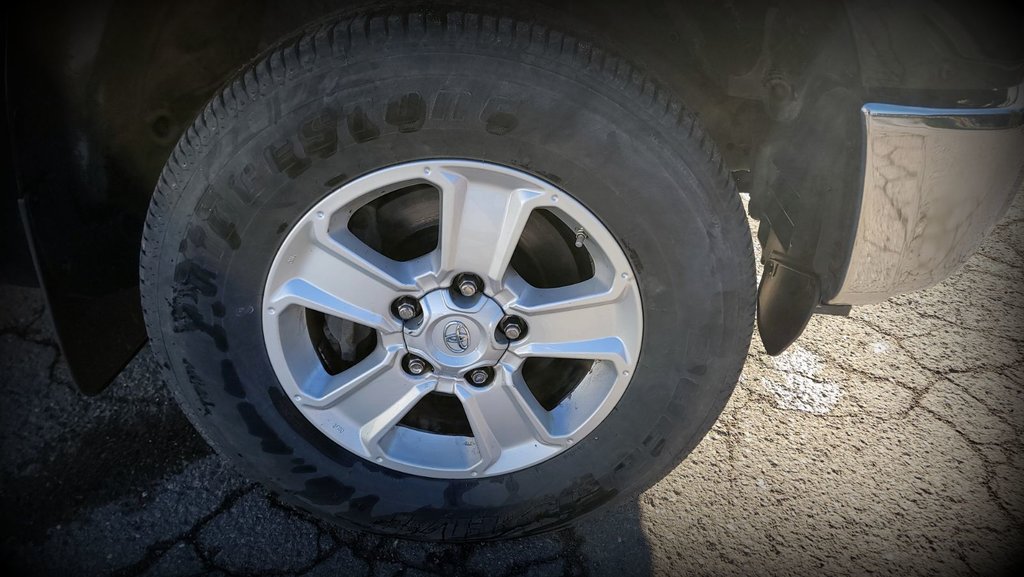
x,y
359,93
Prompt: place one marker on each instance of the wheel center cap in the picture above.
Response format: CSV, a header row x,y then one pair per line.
x,y
456,337
456,333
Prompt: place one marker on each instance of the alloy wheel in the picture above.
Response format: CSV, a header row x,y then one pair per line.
x,y
410,317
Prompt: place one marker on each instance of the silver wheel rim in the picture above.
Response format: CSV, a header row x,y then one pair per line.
x,y
322,266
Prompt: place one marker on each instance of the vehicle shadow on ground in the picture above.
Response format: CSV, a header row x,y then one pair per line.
x,y
122,484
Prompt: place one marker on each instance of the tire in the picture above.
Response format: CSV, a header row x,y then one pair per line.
x,y
358,94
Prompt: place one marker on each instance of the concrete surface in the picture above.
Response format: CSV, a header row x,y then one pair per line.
x,y
889,442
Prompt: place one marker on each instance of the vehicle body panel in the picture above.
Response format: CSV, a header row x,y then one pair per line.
x,y
935,182
99,92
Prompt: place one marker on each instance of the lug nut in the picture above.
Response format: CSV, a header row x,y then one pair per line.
x,y
513,328
479,377
415,365
467,288
405,308
406,311
467,284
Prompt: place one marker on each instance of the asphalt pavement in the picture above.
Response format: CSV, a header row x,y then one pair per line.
x,y
890,442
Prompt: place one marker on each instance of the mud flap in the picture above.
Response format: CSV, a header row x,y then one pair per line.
x,y
786,299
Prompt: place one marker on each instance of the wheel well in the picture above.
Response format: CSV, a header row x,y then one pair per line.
x,y
100,92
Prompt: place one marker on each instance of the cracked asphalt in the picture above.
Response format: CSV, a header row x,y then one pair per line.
x,y
888,442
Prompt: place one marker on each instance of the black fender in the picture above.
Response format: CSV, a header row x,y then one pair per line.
x,y
98,92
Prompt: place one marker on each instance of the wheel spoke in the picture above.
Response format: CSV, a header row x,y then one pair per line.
x,y
481,221
601,349
377,407
346,280
504,414
578,321
323,390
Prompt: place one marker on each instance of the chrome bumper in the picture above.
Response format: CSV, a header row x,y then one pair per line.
x,y
935,182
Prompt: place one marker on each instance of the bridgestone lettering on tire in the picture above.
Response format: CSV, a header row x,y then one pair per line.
x,y
350,140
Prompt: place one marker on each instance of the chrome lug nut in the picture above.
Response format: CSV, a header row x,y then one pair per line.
x,y
406,311
415,365
467,284
479,377
405,308
513,328
467,288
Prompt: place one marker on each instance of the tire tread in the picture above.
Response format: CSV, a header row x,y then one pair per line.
x,y
342,36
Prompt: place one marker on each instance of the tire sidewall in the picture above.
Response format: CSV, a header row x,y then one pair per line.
x,y
651,186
